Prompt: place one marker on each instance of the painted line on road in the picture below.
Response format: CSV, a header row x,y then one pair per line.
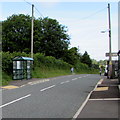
x,y
84,103
100,82
15,100
47,88
23,85
10,87
74,79
108,99
81,108
101,89
39,81
65,82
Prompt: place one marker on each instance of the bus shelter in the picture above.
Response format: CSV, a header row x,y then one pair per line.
x,y
22,68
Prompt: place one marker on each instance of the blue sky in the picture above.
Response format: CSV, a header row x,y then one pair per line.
x,y
85,21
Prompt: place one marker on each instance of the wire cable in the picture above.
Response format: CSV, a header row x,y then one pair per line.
x,y
39,12
93,14
28,2
35,8
81,18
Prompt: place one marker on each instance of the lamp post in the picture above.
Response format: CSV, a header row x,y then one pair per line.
x,y
110,56
32,25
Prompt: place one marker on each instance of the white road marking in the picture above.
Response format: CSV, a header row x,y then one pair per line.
x,y
22,85
65,82
74,79
15,100
47,88
100,82
1,90
84,103
108,99
39,81
80,77
81,108
62,82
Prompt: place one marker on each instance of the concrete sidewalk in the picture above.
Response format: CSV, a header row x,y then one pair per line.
x,y
104,102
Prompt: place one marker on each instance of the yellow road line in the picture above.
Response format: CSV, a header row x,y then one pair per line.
x,y
10,87
101,89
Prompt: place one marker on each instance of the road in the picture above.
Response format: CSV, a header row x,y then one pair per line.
x,y
60,97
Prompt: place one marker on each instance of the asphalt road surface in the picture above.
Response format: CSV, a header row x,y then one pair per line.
x,y
60,97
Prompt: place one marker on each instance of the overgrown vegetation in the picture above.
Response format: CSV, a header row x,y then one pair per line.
x,y
52,55
44,66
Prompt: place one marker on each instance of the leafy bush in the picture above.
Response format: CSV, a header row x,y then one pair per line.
x,y
49,61
7,60
39,61
44,66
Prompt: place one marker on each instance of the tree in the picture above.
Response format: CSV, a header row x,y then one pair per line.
x,y
72,56
86,59
50,37
0,37
16,33
95,64
55,39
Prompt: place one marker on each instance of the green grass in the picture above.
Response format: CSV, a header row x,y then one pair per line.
x,y
0,77
88,71
46,72
5,79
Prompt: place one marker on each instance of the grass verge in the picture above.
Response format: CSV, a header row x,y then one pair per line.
x,y
47,72
5,79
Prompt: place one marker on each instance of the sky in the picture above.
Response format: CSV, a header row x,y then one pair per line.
x,y
84,21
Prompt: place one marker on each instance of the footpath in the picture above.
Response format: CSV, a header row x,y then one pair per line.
x,y
104,102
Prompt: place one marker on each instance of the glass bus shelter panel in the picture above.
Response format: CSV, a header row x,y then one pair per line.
x,y
29,75
17,70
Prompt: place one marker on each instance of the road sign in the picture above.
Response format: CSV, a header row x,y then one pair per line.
x,y
112,54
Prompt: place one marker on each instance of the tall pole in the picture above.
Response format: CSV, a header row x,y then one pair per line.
x,y
110,57
32,31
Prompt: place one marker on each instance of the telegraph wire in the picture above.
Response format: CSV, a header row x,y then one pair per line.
x,y
93,14
39,12
80,19
28,2
35,8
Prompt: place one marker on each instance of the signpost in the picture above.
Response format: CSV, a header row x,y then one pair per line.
x,y
112,54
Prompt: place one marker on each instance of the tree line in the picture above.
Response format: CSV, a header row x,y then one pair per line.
x,y
50,38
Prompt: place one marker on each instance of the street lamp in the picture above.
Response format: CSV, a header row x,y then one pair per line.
x,y
110,56
105,31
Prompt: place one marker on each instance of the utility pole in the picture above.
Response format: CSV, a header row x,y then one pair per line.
x,y
32,25
110,57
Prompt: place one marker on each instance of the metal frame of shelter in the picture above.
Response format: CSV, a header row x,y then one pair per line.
x,y
22,68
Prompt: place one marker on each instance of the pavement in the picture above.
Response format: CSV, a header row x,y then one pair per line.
x,y
104,101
